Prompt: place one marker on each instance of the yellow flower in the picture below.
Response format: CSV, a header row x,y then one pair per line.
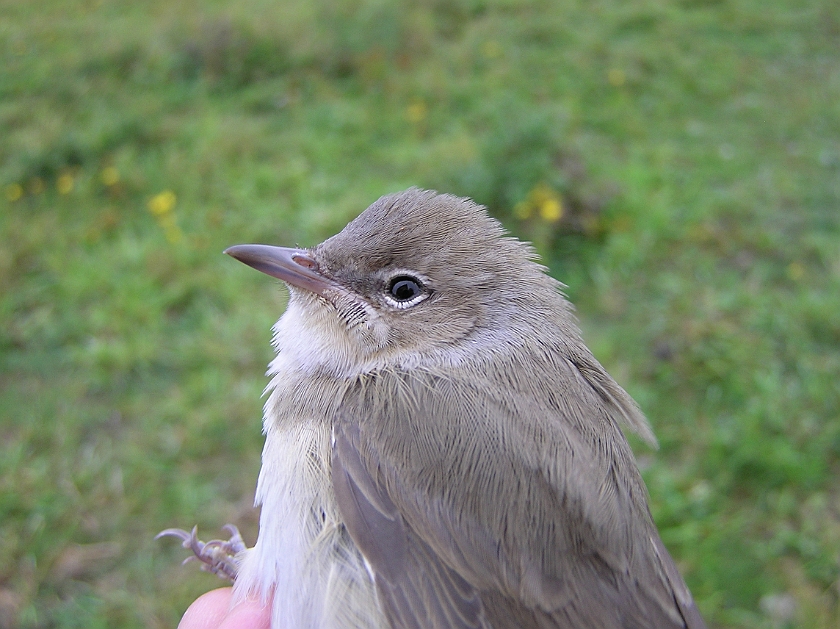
x,y
64,184
162,203
547,203
14,191
109,176
551,209
616,77
416,112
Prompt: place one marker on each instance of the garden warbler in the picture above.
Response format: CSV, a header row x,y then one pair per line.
x,y
442,450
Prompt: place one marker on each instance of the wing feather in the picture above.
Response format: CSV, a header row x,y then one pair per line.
x,y
471,517
417,590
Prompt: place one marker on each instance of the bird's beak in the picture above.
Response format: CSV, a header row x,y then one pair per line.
x,y
296,267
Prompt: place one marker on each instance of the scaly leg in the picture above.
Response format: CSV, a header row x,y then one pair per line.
x,y
217,556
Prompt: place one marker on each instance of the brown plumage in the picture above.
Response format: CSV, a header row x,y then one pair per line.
x,y
442,450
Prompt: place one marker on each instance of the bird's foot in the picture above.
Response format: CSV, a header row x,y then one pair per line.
x,y
217,556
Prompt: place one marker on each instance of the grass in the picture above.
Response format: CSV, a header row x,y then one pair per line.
x,y
676,164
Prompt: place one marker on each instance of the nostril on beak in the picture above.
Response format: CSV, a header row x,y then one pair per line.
x,y
305,262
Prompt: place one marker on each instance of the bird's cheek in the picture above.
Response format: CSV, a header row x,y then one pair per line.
x,y
457,324
374,336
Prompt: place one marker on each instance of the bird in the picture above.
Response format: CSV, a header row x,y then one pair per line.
x,y
442,450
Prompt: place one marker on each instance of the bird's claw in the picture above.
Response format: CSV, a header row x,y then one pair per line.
x,y
217,556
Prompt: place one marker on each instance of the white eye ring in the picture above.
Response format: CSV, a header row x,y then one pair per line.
x,y
402,305
405,291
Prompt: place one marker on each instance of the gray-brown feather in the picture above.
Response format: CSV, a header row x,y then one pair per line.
x,y
546,519
416,588
478,460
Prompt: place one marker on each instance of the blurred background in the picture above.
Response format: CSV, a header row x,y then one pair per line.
x,y
676,163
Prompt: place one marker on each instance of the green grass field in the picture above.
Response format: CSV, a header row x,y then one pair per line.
x,y
677,164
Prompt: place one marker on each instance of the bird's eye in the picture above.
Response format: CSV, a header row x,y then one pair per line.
x,y
404,288
405,291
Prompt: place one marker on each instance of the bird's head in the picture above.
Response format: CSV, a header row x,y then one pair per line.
x,y
416,275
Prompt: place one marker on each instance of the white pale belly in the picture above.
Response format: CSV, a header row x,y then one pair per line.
x,y
303,554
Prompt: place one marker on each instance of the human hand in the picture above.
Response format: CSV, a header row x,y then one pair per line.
x,y
213,611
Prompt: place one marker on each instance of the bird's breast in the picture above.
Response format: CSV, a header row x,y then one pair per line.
x,y
303,553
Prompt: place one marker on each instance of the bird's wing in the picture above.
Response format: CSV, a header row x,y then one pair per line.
x,y
470,516
416,588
